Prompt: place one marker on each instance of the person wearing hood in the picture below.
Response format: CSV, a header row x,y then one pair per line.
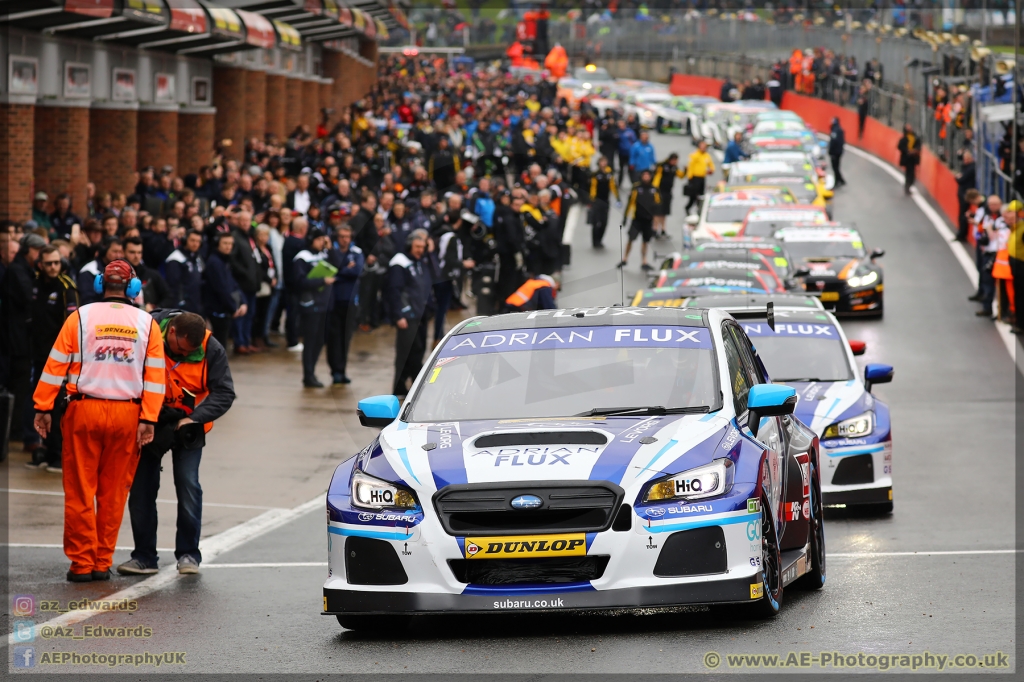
x,y
62,218
836,146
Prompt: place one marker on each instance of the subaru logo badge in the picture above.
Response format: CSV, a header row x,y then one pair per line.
x,y
527,502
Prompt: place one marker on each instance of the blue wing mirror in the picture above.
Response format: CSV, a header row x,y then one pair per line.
x,y
379,411
769,400
875,373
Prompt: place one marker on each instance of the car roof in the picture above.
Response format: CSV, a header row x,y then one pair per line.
x,y
818,234
746,194
741,302
582,317
754,167
752,243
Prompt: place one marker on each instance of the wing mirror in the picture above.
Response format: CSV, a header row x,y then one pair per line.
x,y
378,411
802,272
858,347
877,253
769,400
875,373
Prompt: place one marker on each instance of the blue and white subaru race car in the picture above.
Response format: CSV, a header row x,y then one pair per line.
x,y
601,458
808,350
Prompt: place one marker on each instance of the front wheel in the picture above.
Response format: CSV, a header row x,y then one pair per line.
x,y
770,603
373,624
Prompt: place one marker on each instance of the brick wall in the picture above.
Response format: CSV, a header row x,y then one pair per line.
x,y
311,103
61,162
293,109
333,67
112,149
195,141
229,98
275,104
326,102
158,138
17,126
255,104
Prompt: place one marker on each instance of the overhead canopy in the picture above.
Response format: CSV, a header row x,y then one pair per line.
x,y
259,32
287,37
186,20
85,18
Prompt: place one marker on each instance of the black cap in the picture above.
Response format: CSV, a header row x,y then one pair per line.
x,y
315,233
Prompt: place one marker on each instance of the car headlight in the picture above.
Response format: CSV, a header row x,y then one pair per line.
x,y
695,484
369,492
861,425
863,280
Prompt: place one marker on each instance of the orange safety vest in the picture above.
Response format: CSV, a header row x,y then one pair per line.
x,y
795,61
186,384
1001,270
944,114
110,351
524,293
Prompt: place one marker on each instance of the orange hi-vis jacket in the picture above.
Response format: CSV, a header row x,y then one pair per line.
x,y
186,384
523,294
107,350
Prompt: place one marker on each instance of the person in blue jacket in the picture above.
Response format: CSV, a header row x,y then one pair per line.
x,y
627,136
222,297
341,319
641,156
734,150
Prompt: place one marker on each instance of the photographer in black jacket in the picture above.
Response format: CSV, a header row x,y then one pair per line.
x,y
410,283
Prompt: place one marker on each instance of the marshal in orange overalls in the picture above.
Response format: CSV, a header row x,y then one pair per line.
x,y
112,356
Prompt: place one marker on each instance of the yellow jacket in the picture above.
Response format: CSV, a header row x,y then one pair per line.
x,y
700,165
563,148
582,152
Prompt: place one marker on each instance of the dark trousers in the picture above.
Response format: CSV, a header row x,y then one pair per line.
x,y
1017,269
623,166
142,505
410,344
581,183
509,278
443,294
54,441
963,226
312,328
987,285
341,322
243,324
220,325
19,381
259,323
696,191
909,173
598,221
369,292
840,180
291,320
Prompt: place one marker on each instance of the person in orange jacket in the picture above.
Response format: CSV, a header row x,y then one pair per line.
x,y
111,356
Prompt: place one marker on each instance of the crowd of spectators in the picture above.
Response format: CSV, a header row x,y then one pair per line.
x,y
436,189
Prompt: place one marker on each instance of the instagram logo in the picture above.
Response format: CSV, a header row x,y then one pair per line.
x,y
23,605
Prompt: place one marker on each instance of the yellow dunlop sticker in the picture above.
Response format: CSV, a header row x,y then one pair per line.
x,y
523,546
116,331
325,602
756,590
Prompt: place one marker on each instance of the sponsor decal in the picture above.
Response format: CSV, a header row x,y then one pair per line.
x,y
754,529
472,548
691,509
534,457
753,506
114,354
755,561
655,512
756,590
814,330
792,511
367,517
525,546
115,332
583,337
807,509
730,439
530,604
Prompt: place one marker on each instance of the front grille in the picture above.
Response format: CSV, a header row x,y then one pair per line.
x,y
566,507
700,551
528,571
372,562
854,469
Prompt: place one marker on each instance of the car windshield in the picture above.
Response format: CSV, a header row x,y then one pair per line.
x,y
825,249
560,372
590,75
802,188
800,351
730,213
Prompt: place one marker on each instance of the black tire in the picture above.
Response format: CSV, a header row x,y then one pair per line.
x,y
770,603
373,624
815,578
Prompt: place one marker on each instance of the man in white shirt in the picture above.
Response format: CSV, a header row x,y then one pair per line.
x,y
299,199
992,235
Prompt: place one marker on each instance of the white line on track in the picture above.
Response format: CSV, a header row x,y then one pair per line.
x,y
30,545
286,564
958,249
942,552
205,504
211,547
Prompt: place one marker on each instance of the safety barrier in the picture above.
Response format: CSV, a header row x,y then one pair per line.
x,y
876,138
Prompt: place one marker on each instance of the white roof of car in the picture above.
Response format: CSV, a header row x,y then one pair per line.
x,y
817,234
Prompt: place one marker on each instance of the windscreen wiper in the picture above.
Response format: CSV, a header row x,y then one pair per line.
x,y
800,379
649,410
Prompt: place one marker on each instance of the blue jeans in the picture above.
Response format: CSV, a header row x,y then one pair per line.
x,y
142,505
275,301
243,324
